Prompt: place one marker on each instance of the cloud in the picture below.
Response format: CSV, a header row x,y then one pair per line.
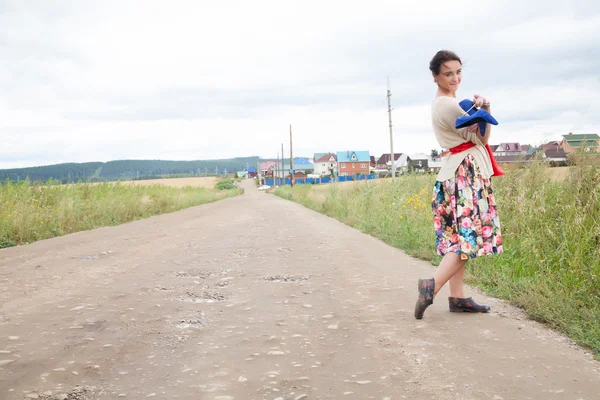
x,y
84,81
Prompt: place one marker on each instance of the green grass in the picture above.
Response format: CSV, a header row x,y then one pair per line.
x,y
551,235
34,212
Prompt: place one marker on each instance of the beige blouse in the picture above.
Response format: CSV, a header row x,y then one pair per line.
x,y
444,111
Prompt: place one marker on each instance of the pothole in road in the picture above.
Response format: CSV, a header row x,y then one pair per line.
x,y
286,278
204,297
200,273
93,256
191,323
96,326
77,393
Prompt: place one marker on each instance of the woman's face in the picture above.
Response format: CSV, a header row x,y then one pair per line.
x,y
450,76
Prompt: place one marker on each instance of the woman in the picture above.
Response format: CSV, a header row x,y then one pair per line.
x,y
464,209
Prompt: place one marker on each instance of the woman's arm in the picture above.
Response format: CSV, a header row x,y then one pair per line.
x,y
448,111
483,103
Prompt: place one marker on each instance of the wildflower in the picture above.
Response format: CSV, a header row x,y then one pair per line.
x,y
401,217
541,261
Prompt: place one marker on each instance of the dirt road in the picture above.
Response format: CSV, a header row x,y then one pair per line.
x,y
255,297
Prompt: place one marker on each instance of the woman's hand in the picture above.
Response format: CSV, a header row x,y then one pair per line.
x,y
473,128
480,101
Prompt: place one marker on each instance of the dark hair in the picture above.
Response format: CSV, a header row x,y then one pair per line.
x,y
441,57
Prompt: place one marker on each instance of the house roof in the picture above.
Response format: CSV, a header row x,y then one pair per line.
x,y
493,147
550,145
266,164
299,160
555,153
579,143
418,156
385,158
298,167
325,157
353,156
509,147
581,137
316,156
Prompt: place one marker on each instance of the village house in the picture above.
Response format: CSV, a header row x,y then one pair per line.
x,y
301,164
373,162
384,161
509,149
267,167
418,162
325,164
571,143
555,156
352,163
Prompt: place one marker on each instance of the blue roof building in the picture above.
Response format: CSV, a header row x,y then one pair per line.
x,y
353,156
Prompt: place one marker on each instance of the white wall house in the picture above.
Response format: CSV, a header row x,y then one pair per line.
x,y
325,164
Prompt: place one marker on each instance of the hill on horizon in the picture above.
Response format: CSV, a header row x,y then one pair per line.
x,y
127,169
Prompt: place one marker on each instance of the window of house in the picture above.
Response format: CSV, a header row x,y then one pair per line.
x,y
363,165
343,165
323,165
353,165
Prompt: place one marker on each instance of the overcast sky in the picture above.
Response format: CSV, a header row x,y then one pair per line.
x,y
181,80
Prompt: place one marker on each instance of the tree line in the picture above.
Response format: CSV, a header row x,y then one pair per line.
x,y
127,170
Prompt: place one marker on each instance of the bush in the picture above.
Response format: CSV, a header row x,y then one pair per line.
x,y
4,243
225,184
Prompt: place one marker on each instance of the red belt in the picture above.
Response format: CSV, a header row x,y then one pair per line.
x,y
467,145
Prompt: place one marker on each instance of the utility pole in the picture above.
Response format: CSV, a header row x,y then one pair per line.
x,y
282,167
393,161
276,176
291,159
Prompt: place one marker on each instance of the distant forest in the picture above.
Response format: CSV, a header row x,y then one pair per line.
x,y
127,170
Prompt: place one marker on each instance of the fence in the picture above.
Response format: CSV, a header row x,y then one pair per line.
x,y
317,181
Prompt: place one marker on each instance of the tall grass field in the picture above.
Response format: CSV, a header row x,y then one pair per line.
x,y
31,212
551,234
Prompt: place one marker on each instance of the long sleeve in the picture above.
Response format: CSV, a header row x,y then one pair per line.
x,y
445,112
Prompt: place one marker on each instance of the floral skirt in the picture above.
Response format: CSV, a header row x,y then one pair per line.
x,y
465,217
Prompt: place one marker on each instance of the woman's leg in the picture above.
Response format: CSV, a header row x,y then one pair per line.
x,y
452,269
451,265
457,285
